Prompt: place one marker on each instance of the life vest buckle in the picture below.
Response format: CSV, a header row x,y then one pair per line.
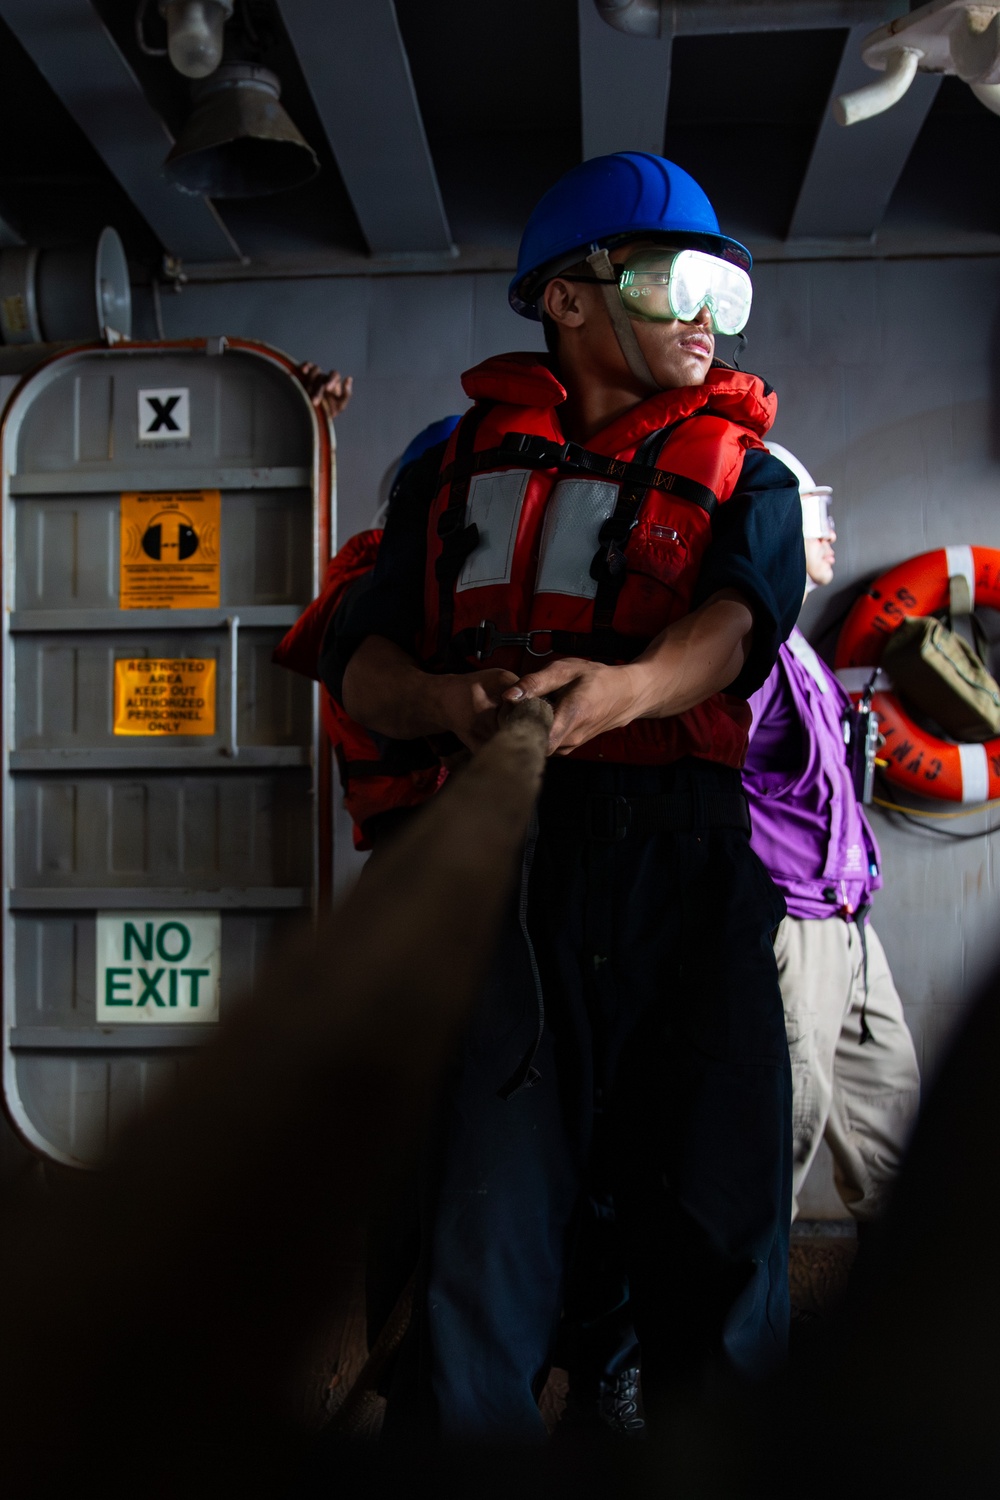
x,y
609,819
616,530
532,650
490,639
450,521
537,450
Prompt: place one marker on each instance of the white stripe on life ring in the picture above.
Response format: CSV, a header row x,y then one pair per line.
x,y
975,773
962,563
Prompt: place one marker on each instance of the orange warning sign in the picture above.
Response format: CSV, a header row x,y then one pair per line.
x,y
158,696
170,550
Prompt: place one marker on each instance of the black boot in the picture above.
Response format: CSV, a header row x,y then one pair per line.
x,y
619,1404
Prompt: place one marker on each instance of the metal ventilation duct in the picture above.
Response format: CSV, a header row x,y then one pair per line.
x,y
653,18
80,293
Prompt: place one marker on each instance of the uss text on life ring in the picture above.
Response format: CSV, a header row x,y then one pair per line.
x,y
916,760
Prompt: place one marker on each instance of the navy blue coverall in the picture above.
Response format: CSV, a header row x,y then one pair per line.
x,y
662,1064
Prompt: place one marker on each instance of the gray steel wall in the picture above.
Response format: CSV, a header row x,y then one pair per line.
x,y
887,375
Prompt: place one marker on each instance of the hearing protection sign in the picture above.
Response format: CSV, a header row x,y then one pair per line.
x,y
164,696
161,966
170,550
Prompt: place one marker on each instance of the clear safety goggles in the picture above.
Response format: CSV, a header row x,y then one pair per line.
x,y
817,519
666,284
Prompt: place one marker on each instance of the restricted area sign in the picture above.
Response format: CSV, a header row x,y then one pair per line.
x,y
161,967
170,550
164,695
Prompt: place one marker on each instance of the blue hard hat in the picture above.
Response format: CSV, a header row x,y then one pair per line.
x,y
606,201
429,437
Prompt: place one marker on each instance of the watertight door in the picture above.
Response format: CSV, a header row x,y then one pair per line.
x,y
165,509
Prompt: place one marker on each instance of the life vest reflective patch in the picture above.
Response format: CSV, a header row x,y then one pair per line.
x,y
577,510
494,508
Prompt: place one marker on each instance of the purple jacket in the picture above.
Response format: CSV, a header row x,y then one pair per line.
x,y
808,828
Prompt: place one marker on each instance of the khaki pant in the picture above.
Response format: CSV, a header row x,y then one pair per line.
x,y
862,1097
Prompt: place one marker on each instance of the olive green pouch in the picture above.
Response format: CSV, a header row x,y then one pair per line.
x,y
943,676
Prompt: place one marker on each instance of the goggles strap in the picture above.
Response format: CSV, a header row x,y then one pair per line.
x,y
600,264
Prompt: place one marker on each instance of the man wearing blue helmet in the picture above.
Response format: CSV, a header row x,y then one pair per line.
x,y
607,530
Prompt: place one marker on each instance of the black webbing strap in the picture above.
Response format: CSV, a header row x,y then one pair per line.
x,y
606,819
457,539
609,565
526,450
362,768
607,646
396,758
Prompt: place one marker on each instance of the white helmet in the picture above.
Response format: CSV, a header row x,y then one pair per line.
x,y
815,498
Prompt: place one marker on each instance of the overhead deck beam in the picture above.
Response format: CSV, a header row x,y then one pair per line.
x,y
624,87
9,237
854,169
75,53
355,64
625,50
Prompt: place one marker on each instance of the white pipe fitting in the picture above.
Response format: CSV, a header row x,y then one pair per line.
x,y
634,17
873,98
988,94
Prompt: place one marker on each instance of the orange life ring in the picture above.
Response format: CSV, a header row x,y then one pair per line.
x,y
916,760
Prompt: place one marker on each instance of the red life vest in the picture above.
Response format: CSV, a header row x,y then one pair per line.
x,y
538,548
372,783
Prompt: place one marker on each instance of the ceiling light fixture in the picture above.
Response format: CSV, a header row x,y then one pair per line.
x,y
239,141
194,34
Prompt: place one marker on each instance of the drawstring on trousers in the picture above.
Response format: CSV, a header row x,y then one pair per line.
x,y
860,916
526,1075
